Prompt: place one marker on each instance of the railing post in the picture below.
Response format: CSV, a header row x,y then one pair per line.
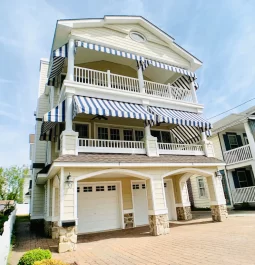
x,y
193,92
141,81
169,90
109,78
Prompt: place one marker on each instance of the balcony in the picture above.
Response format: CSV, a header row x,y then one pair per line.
x,y
135,147
240,154
128,84
246,194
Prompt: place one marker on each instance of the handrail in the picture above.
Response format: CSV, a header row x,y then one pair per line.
x,y
246,194
239,154
176,146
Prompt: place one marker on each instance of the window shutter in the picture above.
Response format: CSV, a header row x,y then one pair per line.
x,y
239,140
226,141
235,178
249,177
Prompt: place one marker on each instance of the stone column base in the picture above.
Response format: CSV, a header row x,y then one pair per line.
x,y
67,239
55,230
128,220
159,224
47,228
184,213
219,212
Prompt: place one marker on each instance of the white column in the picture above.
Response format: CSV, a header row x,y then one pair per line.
x,y
61,196
193,92
69,114
207,146
147,130
48,198
141,81
250,138
70,65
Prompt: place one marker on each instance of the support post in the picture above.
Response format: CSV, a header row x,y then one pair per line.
x,y
70,65
250,138
207,146
140,79
151,144
109,78
193,92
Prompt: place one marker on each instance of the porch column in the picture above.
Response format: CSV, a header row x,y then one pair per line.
x,y
70,65
193,92
151,144
207,145
250,138
157,209
69,138
140,79
218,202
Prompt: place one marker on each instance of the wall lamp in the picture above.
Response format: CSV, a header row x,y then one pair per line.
x,y
218,175
69,181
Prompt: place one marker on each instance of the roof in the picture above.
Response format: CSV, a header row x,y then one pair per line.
x,y
127,158
64,26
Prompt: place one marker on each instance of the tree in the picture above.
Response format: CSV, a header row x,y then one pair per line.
x,y
12,182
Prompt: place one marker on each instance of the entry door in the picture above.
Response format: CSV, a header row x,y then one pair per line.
x,y
98,207
170,202
140,203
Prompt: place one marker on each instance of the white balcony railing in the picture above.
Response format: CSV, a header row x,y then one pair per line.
x,y
111,146
125,83
180,149
246,194
239,154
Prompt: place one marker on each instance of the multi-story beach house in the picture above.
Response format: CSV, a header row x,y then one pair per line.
x,y
119,131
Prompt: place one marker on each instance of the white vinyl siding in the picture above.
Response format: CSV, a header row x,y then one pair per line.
x,y
122,41
217,147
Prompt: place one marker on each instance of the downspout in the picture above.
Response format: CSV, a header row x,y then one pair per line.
x,y
227,178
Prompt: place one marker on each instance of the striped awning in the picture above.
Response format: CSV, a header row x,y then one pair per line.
x,y
105,107
51,119
59,56
141,60
184,82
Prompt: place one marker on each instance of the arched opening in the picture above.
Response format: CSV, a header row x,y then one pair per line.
x,y
112,199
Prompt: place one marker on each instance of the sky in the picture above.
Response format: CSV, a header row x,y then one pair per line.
x,y
219,33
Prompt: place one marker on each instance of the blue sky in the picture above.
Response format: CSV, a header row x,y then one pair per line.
x,y
220,33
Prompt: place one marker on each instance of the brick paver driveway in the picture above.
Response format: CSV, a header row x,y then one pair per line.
x,y
195,242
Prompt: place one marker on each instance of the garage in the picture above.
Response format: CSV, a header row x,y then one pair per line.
x,y
99,207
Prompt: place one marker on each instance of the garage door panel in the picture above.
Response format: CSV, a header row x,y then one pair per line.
x,y
98,207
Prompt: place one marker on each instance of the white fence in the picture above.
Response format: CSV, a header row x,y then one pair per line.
x,y
239,154
180,149
5,238
111,146
241,195
125,83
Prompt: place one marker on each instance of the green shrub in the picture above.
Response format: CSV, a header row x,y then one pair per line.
x,y
50,262
33,255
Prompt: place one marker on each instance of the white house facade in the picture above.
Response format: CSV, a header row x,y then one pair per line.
x,y
119,131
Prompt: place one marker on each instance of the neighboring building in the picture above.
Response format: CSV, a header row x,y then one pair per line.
x,y
27,188
233,138
118,132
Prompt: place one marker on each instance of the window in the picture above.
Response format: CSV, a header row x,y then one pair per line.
x,y
245,139
114,134
201,187
242,178
127,135
138,135
165,185
143,186
162,136
136,36
83,130
99,188
111,188
135,186
232,141
78,189
87,189
102,133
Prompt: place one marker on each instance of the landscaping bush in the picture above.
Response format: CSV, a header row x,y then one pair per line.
x,y
30,257
50,262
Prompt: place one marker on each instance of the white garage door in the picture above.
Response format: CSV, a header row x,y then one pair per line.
x,y
98,207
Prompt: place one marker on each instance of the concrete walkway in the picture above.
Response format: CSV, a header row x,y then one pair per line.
x,y
198,241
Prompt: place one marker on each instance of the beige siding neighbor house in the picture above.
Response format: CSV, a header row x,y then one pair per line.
x,y
119,131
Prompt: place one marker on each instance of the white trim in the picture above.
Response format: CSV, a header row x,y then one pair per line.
x,y
128,210
83,122
133,201
118,182
75,202
172,196
157,212
48,199
53,202
61,196
164,195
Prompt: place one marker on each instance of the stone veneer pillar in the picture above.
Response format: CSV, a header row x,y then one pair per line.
x,y
219,212
184,213
128,220
159,224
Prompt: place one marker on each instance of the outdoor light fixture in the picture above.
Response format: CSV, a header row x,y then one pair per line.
x,y
69,181
218,175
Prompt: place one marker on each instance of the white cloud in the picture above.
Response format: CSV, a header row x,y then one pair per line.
x,y
6,81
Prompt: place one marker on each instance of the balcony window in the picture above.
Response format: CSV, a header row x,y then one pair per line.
x,y
233,141
115,134
102,133
128,135
139,135
162,136
242,178
83,130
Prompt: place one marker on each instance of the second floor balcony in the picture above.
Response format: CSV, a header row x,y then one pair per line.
x,y
240,154
111,81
